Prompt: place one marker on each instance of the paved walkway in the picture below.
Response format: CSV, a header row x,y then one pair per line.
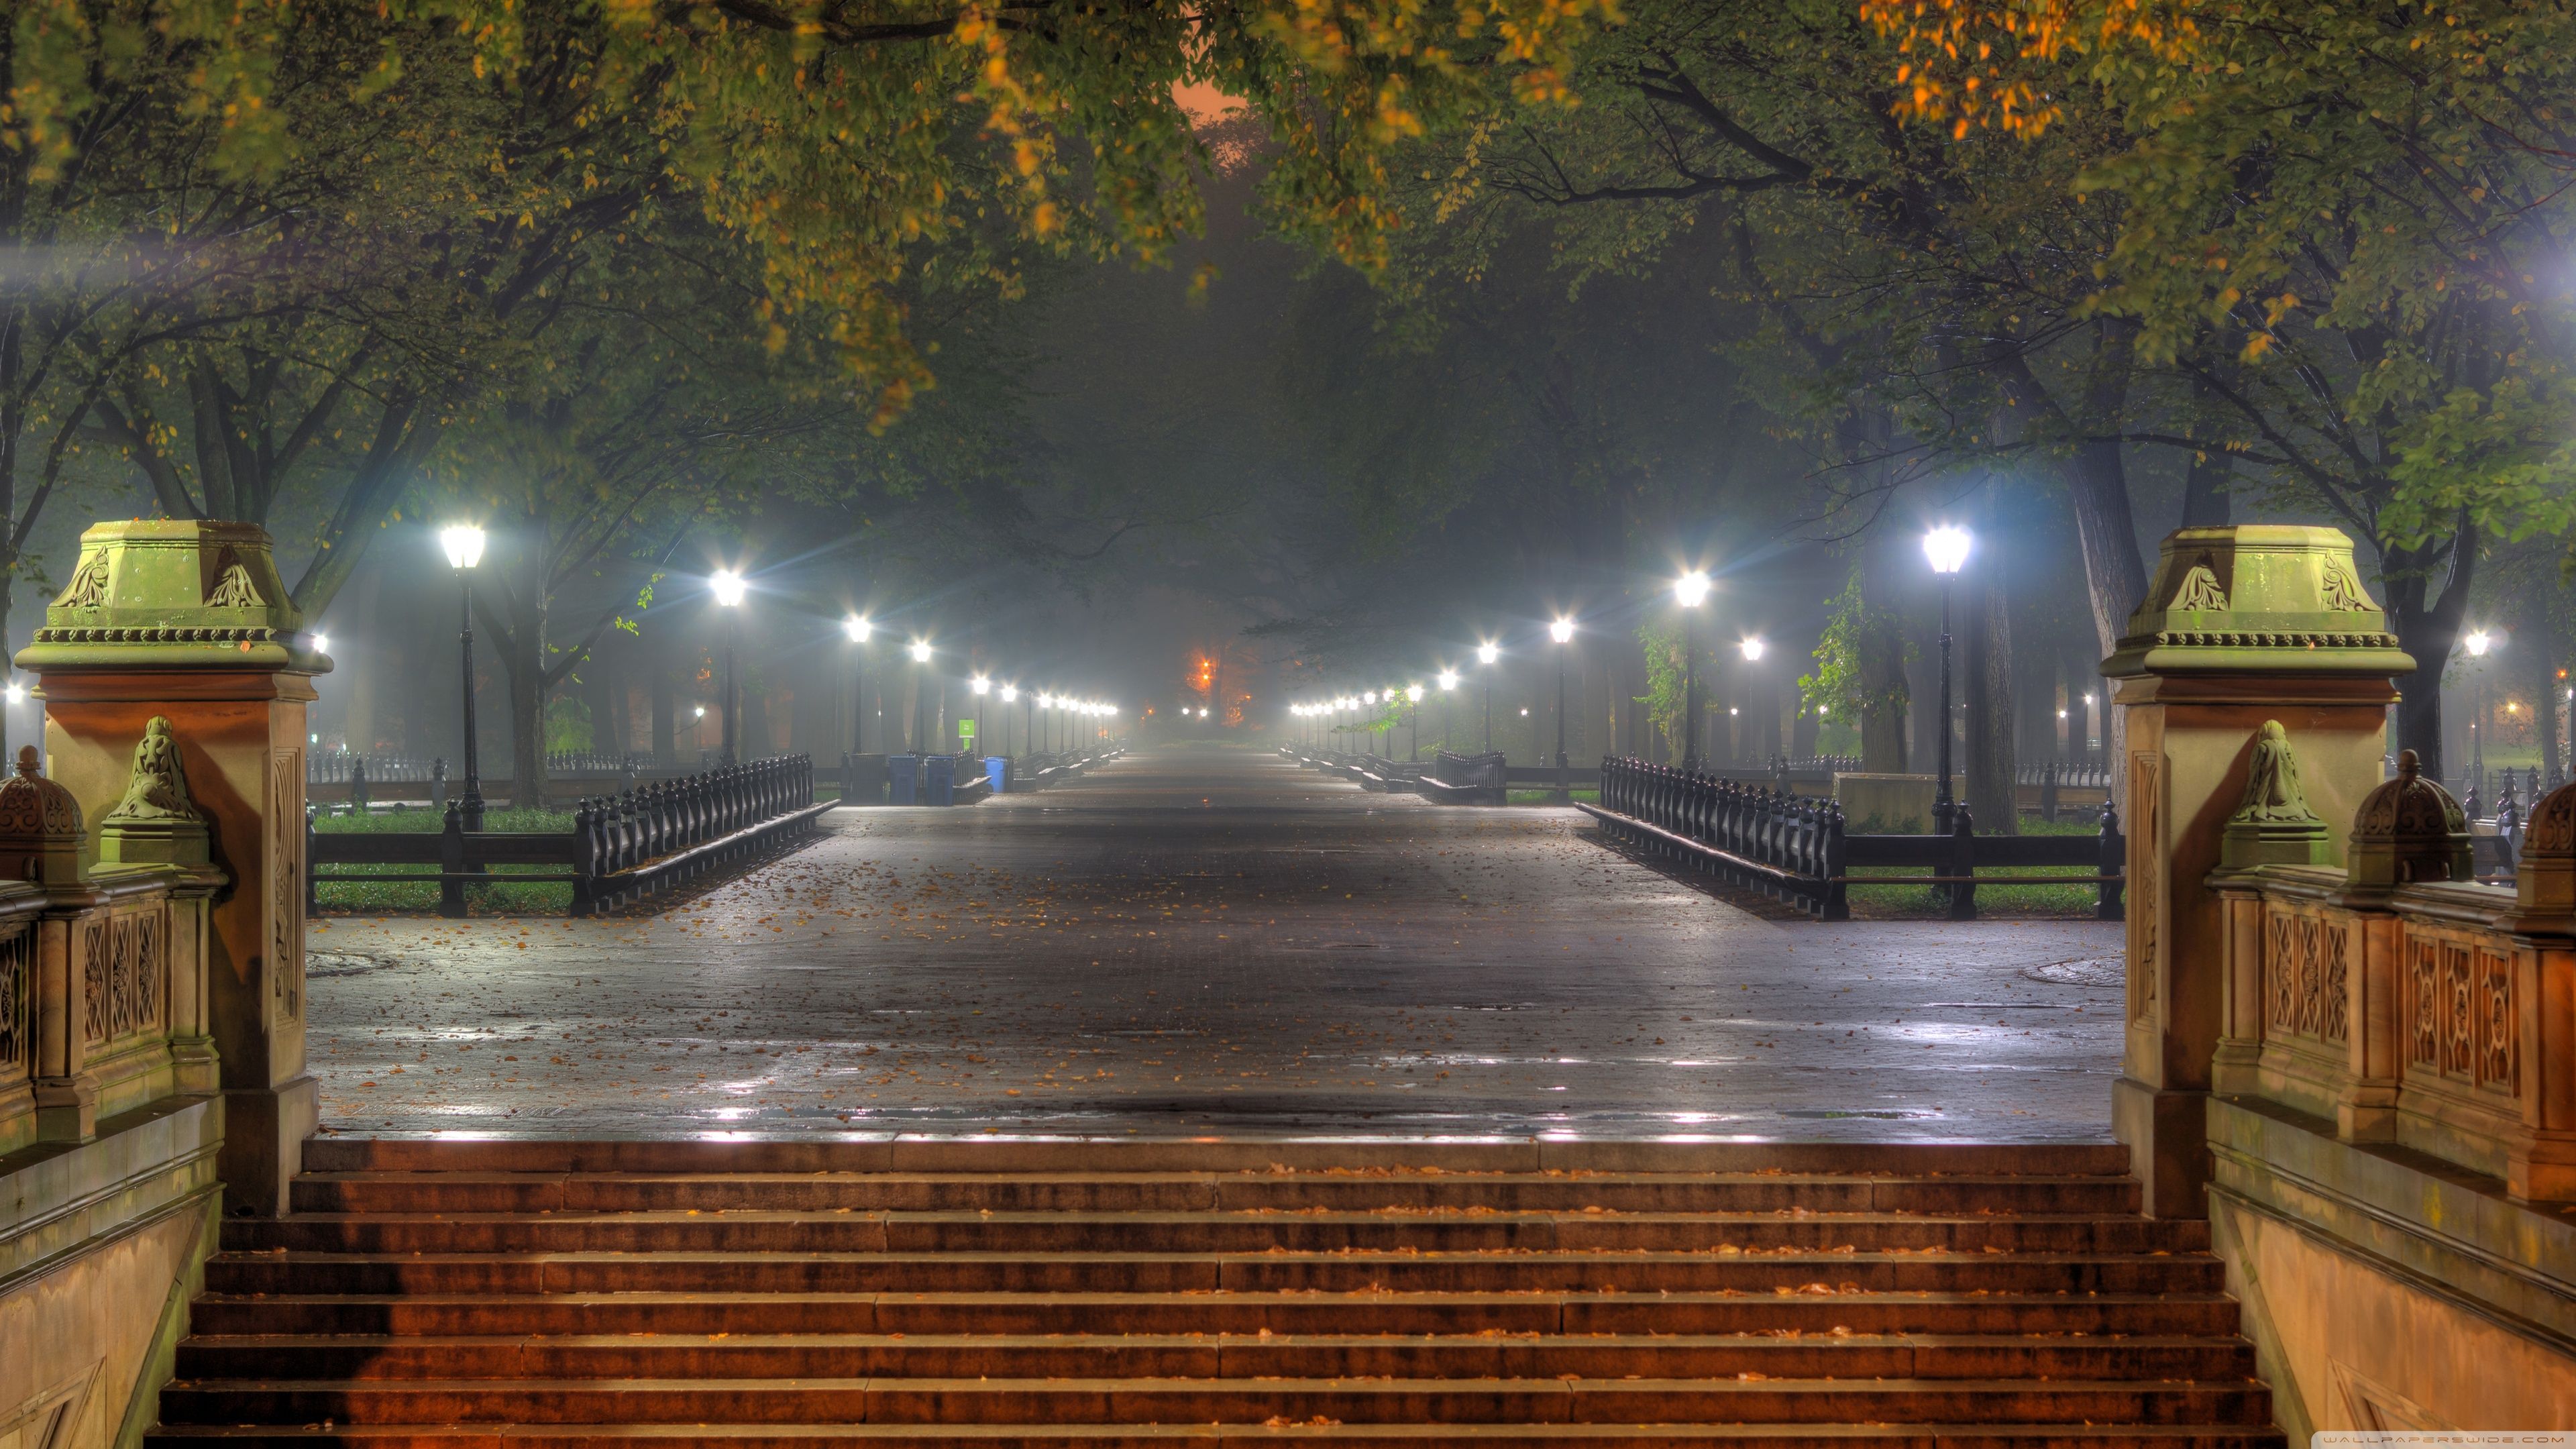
x,y
1197,940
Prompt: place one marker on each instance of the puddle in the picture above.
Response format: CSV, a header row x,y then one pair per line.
x,y
2108,972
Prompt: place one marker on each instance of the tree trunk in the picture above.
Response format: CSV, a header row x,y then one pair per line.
x,y
2544,704
2427,626
515,621
361,649
2206,501
599,691
1988,660
665,708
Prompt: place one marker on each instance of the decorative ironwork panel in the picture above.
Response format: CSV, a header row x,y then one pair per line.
x,y
124,980
2335,1023
2458,1012
2499,1031
2311,977
2423,990
96,987
18,1004
2280,965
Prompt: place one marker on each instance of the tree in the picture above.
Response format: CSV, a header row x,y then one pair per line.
x,y
842,139
2345,224
1860,674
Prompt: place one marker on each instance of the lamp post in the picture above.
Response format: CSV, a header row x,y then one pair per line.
x,y
920,697
1752,649
463,543
1448,690
1562,631
981,686
2478,642
728,591
1011,696
1690,590
1947,548
1486,654
1413,722
858,628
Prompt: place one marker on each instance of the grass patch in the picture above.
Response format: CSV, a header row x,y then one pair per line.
x,y
1548,797
497,899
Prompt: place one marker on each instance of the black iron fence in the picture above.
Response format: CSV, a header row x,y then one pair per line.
x,y
1797,849
620,849
1467,779
2072,774
340,767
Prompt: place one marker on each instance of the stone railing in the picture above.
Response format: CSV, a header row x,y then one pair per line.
x,y
2409,1005
103,1008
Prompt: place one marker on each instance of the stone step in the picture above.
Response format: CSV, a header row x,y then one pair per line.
x,y
1318,1157
1337,1272
1317,1431
1489,1355
1200,1400
470,1192
1054,1232
2179,1314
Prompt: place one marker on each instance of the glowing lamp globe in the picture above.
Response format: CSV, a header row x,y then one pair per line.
x,y
1947,548
463,543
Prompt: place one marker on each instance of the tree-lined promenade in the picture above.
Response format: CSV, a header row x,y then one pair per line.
x,y
628,285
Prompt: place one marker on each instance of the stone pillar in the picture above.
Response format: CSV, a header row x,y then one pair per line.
x,y
2242,625
189,620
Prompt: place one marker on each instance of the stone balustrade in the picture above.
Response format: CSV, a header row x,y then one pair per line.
x,y
2419,1008
103,993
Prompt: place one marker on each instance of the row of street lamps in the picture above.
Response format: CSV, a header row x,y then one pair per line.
x,y
463,544
1062,708
1946,546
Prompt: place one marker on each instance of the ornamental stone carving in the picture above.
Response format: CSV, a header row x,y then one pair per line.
x,y
2274,825
41,833
2544,878
2262,598
154,821
162,593
2409,831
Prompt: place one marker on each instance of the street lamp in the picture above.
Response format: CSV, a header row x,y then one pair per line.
x,y
2478,643
1947,548
1690,591
1413,722
980,686
463,543
857,628
920,698
1010,695
1562,631
1486,654
1752,648
728,588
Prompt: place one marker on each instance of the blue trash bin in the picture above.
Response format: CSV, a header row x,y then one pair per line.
x,y
997,768
939,780
903,779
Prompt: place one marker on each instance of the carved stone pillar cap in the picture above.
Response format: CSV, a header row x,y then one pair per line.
x,y
2544,880
40,827
2409,831
2258,598
161,593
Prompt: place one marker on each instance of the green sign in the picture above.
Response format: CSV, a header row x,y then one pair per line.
x,y
966,729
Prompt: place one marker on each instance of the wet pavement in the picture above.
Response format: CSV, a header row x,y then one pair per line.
x,y
1198,940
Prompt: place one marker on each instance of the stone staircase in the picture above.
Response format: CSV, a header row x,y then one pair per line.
x,y
559,1294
